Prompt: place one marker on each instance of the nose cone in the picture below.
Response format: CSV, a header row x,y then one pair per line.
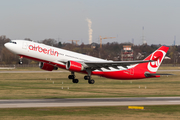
x,y
10,46
6,45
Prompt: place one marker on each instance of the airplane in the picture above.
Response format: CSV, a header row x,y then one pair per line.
x,y
51,58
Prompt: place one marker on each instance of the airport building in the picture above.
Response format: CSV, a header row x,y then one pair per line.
x,y
127,53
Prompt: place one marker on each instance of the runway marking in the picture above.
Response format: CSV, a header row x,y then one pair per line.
x,y
136,107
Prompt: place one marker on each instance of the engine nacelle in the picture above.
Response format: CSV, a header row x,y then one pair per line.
x,y
46,66
74,66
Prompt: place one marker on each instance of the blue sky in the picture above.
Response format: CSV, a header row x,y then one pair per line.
x,y
66,19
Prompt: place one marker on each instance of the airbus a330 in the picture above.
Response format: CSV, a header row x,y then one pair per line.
x,y
52,58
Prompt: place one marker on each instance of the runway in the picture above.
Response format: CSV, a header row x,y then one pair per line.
x,y
80,102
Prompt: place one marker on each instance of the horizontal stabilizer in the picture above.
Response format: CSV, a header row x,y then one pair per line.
x,y
155,74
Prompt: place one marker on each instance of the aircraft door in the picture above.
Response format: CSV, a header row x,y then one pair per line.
x,y
25,45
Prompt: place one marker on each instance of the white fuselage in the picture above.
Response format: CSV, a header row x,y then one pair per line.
x,y
46,53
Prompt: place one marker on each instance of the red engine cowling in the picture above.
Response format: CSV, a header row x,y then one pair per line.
x,y
74,66
46,66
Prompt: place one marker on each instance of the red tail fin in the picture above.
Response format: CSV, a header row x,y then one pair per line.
x,y
157,56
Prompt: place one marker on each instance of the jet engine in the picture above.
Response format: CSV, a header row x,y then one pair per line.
x,y
46,66
74,66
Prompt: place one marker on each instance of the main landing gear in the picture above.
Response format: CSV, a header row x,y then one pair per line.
x,y
90,81
72,76
88,77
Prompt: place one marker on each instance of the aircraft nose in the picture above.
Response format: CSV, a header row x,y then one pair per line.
x,y
11,46
6,45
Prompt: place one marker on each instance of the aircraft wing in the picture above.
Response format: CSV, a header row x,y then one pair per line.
x,y
106,64
114,64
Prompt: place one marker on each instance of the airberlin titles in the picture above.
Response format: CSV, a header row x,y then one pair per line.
x,y
43,50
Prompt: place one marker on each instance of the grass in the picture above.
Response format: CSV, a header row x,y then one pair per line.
x,y
40,85
91,113
49,85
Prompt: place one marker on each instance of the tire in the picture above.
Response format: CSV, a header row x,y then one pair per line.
x,y
91,81
71,76
75,80
86,77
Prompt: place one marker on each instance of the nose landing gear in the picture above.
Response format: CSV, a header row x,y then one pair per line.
x,y
20,60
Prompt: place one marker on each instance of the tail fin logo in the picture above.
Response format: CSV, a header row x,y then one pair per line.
x,y
153,66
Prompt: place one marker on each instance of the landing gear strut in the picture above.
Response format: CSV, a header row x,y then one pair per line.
x,y
72,76
88,77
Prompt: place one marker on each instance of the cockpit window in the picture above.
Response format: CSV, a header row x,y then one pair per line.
x,y
13,42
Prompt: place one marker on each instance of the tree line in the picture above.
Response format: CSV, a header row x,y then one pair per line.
x,y
109,51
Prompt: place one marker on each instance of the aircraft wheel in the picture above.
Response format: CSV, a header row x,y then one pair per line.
x,y
71,76
91,81
86,77
75,80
